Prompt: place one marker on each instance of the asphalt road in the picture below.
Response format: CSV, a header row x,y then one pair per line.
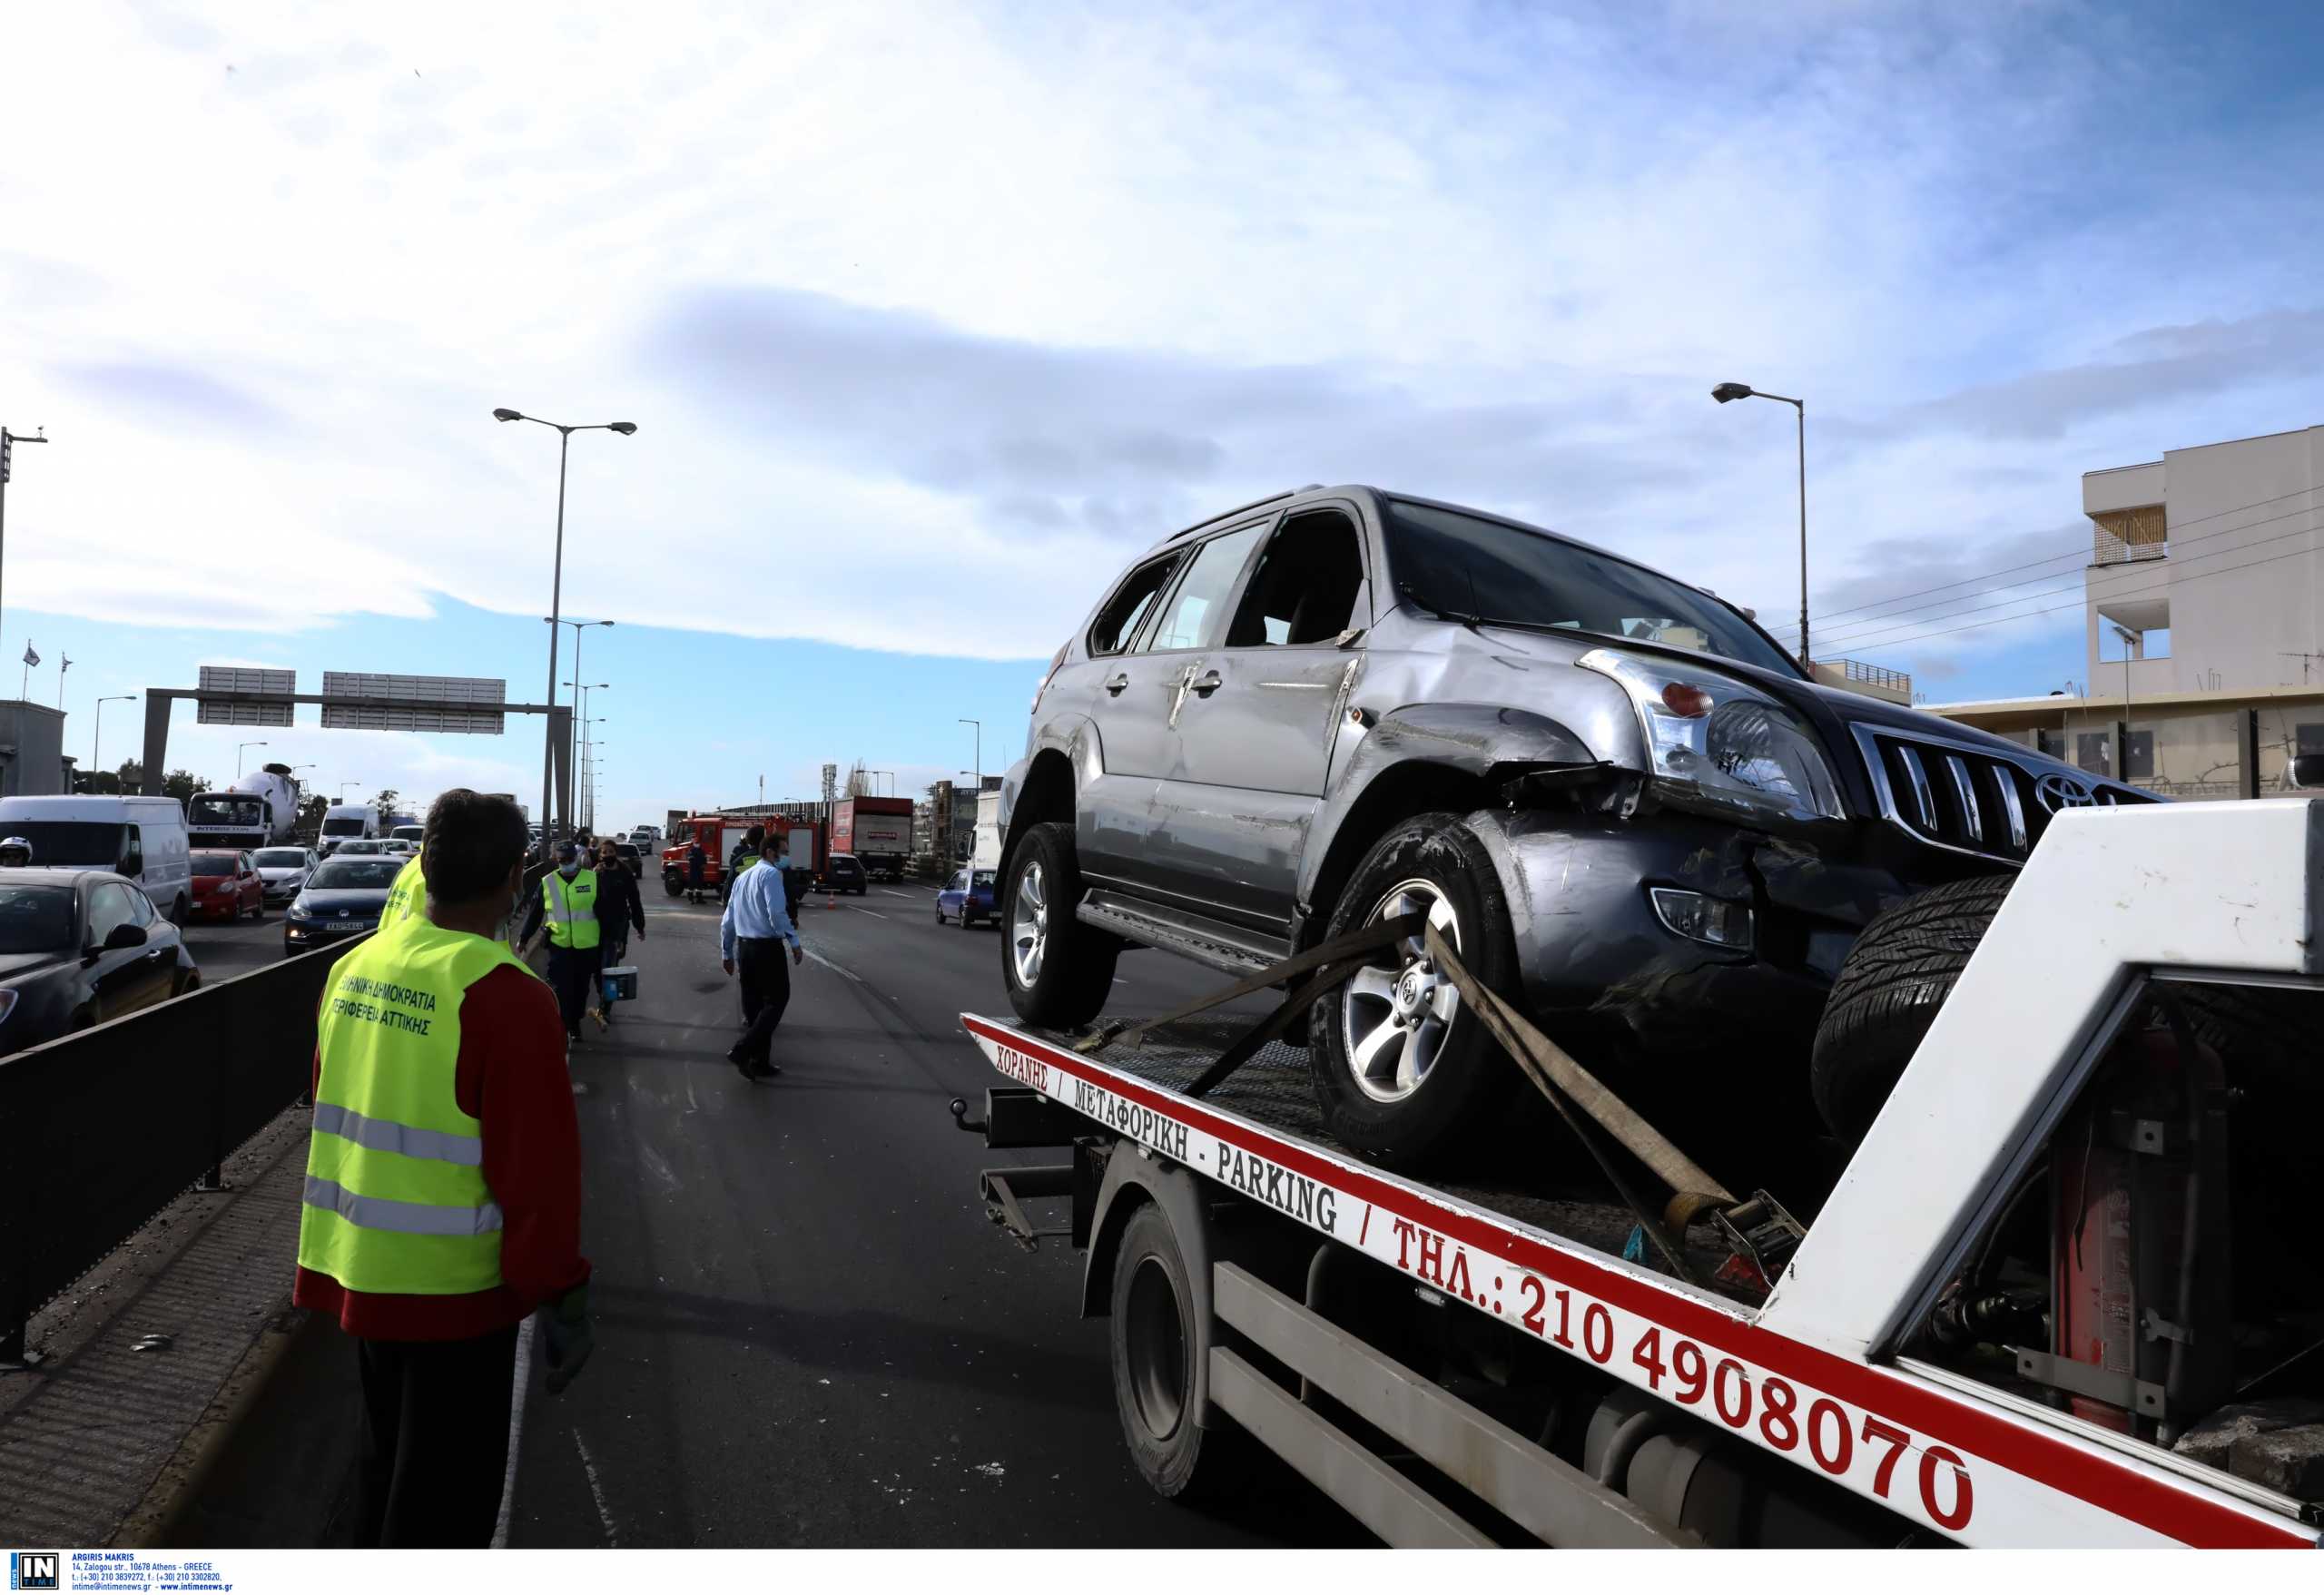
x,y
223,950
808,1332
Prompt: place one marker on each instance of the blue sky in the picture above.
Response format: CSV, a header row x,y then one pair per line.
x,y
931,316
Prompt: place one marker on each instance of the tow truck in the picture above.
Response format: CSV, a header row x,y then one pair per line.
x,y
2067,1291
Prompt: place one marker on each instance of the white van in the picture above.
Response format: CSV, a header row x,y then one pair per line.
x,y
142,837
345,823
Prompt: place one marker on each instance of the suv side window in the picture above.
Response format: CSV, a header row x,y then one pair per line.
x,y
1118,621
1192,614
1305,588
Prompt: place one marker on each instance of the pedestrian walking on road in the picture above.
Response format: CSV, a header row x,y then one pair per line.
x,y
620,910
568,906
443,1193
752,938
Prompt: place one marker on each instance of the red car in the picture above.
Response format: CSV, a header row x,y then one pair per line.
x,y
226,886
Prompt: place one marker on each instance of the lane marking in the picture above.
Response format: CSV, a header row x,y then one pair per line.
x,y
596,1491
875,913
516,1394
818,958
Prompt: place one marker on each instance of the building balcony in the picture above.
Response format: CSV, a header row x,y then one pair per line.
x,y
1872,681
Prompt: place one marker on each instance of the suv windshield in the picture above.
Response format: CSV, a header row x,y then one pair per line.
x,y
279,858
92,843
364,874
36,919
1448,561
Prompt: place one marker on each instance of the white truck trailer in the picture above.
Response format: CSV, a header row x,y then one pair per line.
x,y
2068,1291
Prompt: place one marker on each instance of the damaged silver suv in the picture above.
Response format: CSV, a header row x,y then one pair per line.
x,y
1617,797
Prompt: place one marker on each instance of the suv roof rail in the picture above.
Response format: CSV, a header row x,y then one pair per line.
x,y
1229,514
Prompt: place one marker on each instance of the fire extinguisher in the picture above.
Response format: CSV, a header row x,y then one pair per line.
x,y
2140,1315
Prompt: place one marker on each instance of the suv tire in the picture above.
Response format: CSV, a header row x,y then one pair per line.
x,y
1431,1084
1058,969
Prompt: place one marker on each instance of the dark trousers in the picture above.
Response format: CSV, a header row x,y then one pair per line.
x,y
571,971
434,1449
764,969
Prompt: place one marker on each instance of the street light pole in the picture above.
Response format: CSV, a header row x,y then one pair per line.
x,y
345,785
97,731
557,589
1727,391
578,627
979,725
8,441
238,755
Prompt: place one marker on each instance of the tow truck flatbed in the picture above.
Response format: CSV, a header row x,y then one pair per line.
x,y
1818,1377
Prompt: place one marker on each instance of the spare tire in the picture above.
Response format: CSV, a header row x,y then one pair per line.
x,y
1898,974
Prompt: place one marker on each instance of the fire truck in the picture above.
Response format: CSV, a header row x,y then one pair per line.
x,y
720,834
2067,1289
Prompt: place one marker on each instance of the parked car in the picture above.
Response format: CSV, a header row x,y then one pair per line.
x,y
283,871
1614,794
142,837
227,885
78,947
343,897
844,872
968,897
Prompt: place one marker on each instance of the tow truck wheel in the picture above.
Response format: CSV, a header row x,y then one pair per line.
x,y
1059,970
1155,1344
1400,1071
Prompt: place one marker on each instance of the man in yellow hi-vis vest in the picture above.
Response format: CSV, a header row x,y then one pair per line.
x,y
567,908
443,1192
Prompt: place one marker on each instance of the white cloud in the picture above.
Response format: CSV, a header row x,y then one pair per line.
x,y
1125,267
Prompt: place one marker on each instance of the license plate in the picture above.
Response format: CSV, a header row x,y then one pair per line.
x,y
342,925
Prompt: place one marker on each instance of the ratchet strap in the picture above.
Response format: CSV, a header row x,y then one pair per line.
x,y
1370,939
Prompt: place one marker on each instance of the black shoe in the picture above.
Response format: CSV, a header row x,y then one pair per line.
x,y
735,1056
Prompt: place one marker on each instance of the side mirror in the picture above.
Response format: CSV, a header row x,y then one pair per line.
x,y
120,939
2307,770
133,865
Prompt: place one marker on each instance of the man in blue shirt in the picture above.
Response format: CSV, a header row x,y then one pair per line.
x,y
751,937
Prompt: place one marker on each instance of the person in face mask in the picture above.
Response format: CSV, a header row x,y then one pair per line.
x,y
567,908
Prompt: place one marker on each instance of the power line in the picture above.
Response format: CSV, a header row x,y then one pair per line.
x,y
1875,622
2050,559
2134,593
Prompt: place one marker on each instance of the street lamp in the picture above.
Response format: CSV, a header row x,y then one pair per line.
x,y
578,627
97,733
979,725
556,578
345,785
238,755
581,690
1724,393
891,779
8,441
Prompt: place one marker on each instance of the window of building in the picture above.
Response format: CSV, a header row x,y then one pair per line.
x,y
2093,750
2137,755
2309,739
2050,743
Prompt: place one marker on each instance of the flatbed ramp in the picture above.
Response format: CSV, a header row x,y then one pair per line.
x,y
1949,1459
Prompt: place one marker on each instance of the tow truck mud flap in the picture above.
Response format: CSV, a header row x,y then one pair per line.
x,y
1542,1494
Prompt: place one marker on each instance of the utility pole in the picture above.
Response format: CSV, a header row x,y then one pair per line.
x,y
8,441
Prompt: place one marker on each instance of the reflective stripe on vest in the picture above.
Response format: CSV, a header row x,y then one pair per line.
x,y
570,907
396,1201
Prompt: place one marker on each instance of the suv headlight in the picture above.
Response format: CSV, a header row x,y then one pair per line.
x,y
1714,742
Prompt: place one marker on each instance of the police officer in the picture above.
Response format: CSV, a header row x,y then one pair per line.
x,y
568,906
16,853
443,1193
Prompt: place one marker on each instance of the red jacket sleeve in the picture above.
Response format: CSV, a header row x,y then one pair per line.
x,y
512,1076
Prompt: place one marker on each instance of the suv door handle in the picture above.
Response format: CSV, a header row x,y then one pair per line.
x,y
1206,685
1114,686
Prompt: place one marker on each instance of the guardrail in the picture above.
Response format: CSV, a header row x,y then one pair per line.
x,y
105,1128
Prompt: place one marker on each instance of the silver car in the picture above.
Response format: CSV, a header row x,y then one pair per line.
x,y
1617,797
283,871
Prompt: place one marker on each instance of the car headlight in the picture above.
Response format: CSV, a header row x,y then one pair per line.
x,y
299,910
1714,742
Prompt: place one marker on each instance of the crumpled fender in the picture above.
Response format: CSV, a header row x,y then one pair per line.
x,y
1474,739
